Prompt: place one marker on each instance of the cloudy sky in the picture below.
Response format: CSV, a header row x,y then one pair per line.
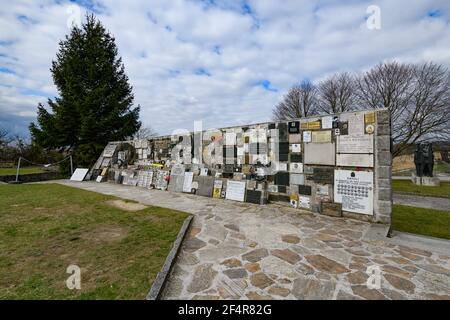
x,y
222,62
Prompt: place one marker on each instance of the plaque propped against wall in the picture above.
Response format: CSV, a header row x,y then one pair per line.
x,y
354,189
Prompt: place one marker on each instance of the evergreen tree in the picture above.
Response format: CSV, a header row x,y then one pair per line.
x,y
95,99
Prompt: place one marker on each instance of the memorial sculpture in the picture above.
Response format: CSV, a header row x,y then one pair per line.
x,y
424,162
337,165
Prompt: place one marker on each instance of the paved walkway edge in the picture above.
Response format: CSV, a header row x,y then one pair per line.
x,y
439,245
158,284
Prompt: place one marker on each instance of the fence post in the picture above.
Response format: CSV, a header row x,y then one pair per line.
x,y
18,168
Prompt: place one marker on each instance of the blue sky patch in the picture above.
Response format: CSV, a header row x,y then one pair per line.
x,y
266,84
6,70
202,72
434,13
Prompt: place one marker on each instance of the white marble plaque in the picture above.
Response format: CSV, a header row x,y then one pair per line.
x,y
327,122
235,190
304,202
296,148
306,136
296,167
356,123
319,153
354,160
109,150
354,189
362,143
187,183
79,174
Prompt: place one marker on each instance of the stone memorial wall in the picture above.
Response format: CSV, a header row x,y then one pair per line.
x,y
337,165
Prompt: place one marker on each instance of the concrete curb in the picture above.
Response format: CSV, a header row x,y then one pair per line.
x,y
161,277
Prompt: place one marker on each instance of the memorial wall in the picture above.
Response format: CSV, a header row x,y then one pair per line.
x,y
337,165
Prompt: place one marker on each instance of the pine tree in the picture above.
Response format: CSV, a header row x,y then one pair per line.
x,y
95,99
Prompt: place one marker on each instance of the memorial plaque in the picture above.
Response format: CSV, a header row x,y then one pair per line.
x,y
272,188
296,167
281,178
304,202
354,160
235,190
305,190
187,182
319,153
322,175
321,136
295,138
217,191
296,148
109,150
369,118
79,174
354,189
294,127
282,132
356,124
297,178
205,185
355,144
314,125
161,179
296,158
253,196
176,181
306,136
327,122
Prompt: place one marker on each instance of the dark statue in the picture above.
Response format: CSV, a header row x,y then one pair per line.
x,y
424,159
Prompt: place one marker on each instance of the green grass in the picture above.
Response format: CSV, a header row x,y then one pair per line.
x,y
46,228
428,222
406,186
24,170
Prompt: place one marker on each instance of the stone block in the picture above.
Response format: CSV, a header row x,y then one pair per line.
x,y
331,209
383,172
384,194
384,158
384,183
383,130
383,117
383,143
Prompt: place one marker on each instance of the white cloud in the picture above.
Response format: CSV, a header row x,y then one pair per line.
x,y
237,44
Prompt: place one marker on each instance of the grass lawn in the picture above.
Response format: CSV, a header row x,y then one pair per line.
x,y
439,167
24,170
428,222
406,186
45,228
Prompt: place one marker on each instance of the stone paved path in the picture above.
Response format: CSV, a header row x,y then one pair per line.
x,y
243,251
422,202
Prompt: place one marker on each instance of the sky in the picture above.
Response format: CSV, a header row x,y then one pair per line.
x,y
222,62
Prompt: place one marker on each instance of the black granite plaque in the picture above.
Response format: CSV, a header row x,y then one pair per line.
x,y
283,132
294,127
296,157
253,196
323,175
304,190
282,178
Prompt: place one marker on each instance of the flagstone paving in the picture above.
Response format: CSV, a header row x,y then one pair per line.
x,y
243,251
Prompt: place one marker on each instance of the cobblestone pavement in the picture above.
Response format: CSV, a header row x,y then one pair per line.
x,y
242,251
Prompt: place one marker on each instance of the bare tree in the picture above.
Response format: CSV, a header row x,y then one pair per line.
x,y
416,95
337,93
145,133
299,102
5,137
